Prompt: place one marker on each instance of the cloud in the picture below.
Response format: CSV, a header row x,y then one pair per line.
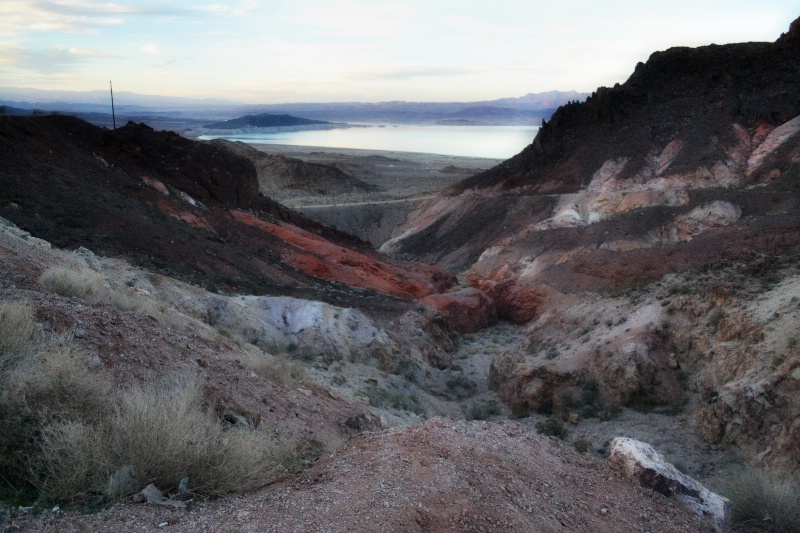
x,y
407,73
45,61
226,9
151,49
74,16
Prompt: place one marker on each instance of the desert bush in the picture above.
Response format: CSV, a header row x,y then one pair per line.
x,y
162,433
762,499
276,368
87,284
17,326
483,411
65,432
50,383
82,283
552,427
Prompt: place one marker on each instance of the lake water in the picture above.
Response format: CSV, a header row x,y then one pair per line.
x,y
500,142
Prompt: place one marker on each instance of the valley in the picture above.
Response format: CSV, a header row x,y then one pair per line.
x,y
307,339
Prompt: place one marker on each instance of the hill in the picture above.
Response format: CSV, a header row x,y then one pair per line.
x,y
641,237
263,120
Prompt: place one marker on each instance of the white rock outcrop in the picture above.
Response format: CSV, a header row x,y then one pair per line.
x,y
638,459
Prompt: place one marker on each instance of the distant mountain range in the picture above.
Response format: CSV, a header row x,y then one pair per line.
x,y
530,109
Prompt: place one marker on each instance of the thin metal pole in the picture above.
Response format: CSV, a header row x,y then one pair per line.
x,y
113,115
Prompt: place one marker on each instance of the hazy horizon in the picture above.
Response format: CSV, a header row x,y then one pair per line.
x,y
259,52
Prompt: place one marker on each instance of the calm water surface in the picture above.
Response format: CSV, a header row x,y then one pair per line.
x,y
499,142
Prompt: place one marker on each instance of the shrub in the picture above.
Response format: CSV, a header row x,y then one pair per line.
x,y
767,500
483,411
81,283
552,427
276,368
67,434
87,284
16,328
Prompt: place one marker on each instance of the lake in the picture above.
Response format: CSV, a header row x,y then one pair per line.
x,y
499,142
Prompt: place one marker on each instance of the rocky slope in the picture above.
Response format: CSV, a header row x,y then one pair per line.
x,y
184,208
440,475
691,166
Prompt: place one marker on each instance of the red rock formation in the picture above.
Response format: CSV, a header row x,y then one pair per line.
x,y
464,311
323,259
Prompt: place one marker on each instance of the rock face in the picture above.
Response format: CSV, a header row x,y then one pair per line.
x,y
639,238
464,311
666,172
639,460
188,209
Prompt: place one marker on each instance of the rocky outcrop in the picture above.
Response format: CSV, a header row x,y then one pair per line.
x,y
639,460
281,177
466,310
641,179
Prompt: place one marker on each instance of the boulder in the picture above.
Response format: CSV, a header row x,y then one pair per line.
x,y
634,458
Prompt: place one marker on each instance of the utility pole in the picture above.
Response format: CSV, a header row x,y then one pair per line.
x,y
113,115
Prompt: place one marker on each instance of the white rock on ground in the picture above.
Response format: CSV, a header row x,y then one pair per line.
x,y
638,459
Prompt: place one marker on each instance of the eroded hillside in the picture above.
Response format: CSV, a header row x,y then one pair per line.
x,y
690,168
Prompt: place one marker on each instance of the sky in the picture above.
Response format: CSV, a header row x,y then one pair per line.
x,y
276,51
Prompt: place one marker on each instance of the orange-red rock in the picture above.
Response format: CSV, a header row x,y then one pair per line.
x,y
323,259
465,311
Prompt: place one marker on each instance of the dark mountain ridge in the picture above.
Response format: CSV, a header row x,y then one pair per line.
x,y
694,93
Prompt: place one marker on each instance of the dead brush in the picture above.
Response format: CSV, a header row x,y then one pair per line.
x,y
17,326
762,500
68,434
84,283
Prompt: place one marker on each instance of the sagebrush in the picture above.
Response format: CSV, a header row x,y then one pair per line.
x,y
764,500
67,433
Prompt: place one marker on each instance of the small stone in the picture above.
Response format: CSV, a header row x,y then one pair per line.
x,y
604,510
79,333
163,524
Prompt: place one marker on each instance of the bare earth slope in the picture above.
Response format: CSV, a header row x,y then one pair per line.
x,y
437,476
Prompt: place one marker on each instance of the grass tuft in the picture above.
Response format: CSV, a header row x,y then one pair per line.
x,y
762,500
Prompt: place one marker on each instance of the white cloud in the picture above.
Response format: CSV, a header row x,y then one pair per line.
x,y
151,49
44,60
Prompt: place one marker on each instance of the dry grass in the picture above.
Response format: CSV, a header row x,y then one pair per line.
x,y
87,284
158,433
67,434
81,283
762,500
276,368
17,327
